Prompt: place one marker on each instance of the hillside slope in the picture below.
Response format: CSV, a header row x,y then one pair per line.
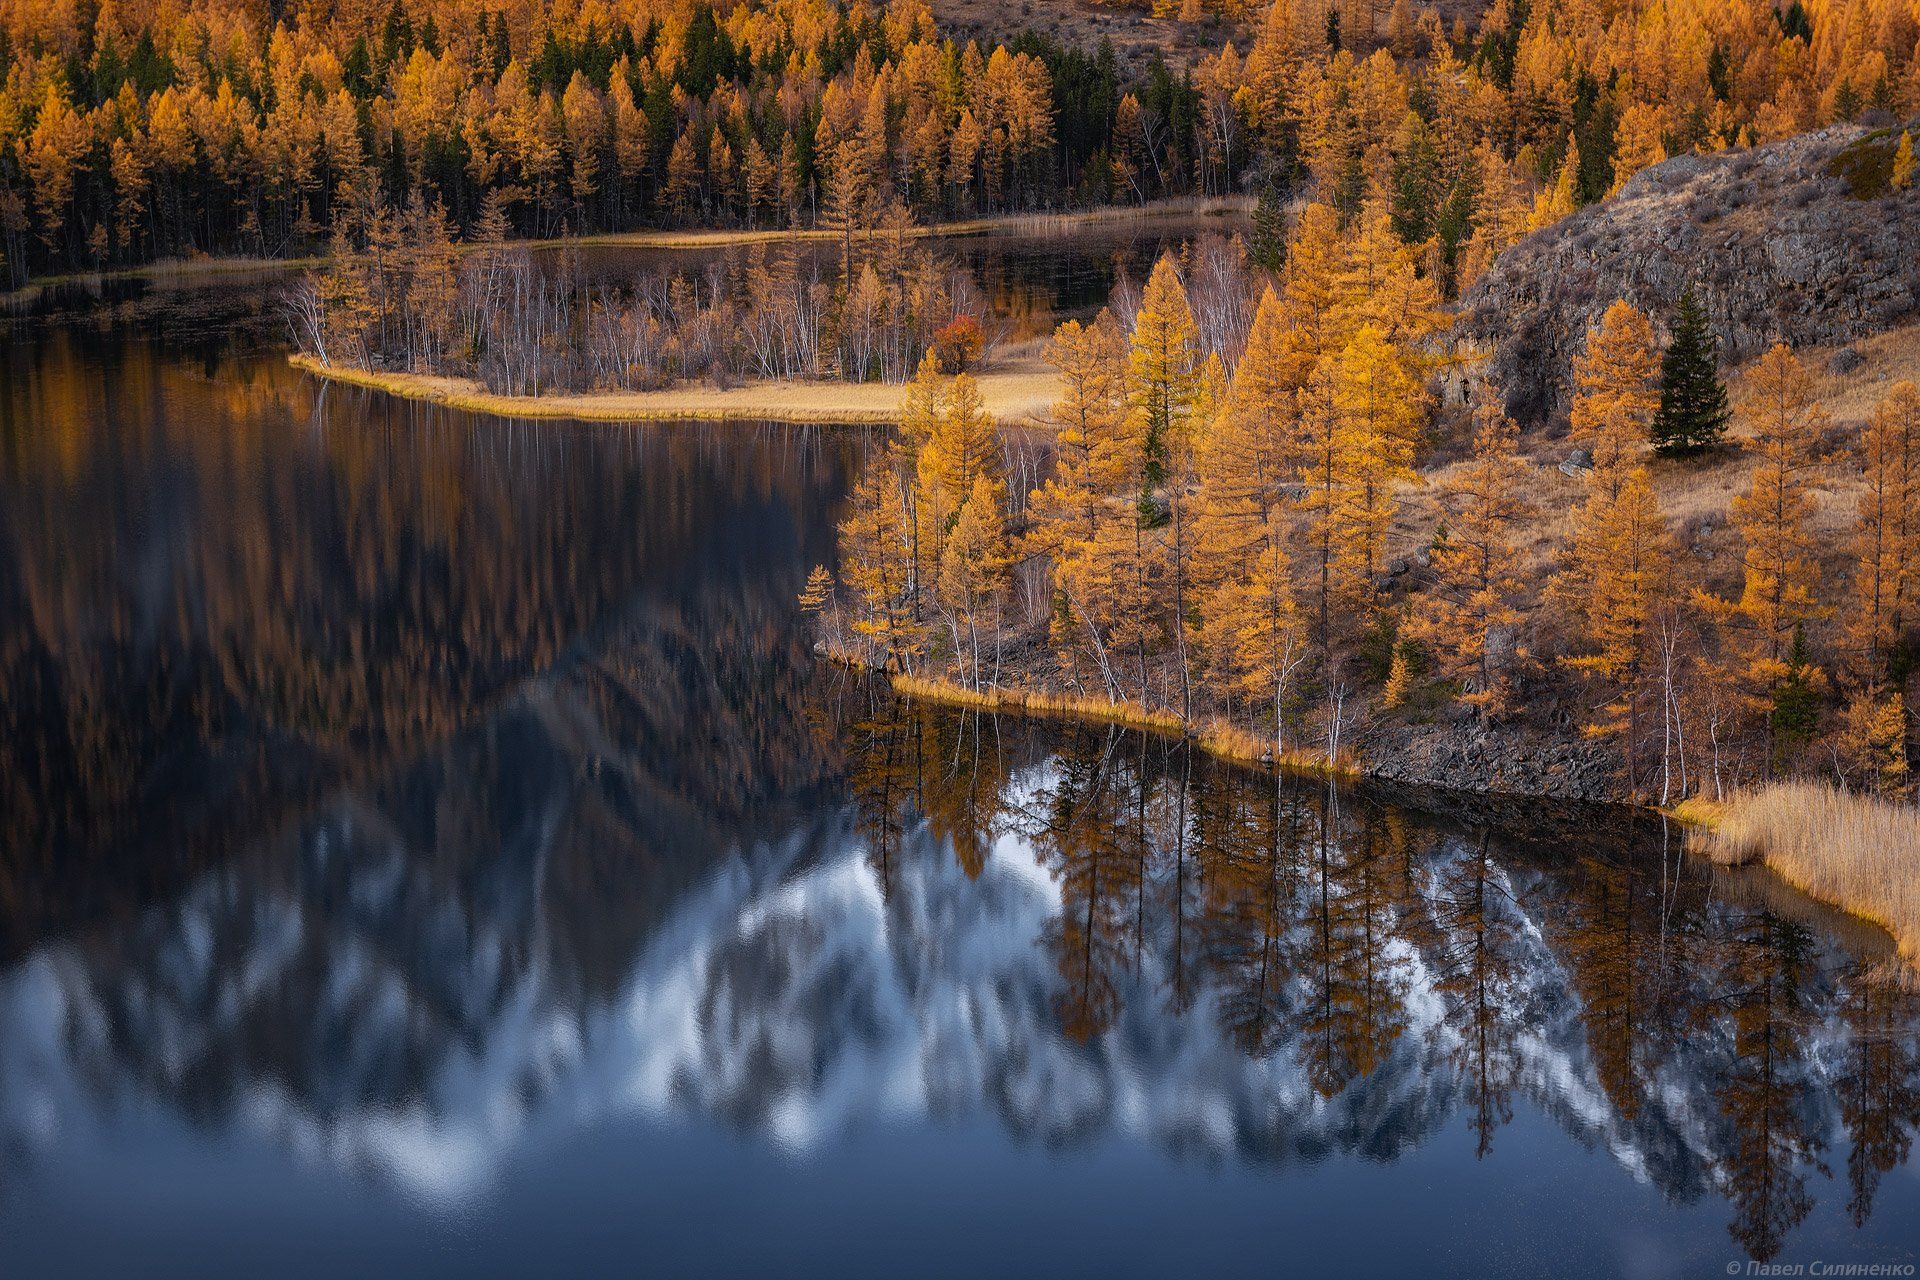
x,y
1802,241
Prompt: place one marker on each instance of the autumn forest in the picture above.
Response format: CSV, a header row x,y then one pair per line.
x,y
1277,495
133,131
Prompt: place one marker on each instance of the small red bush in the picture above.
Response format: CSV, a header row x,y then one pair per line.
x,y
959,344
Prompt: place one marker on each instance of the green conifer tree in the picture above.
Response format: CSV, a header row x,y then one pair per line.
x,y
1693,410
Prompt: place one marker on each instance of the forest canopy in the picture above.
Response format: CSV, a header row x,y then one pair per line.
x,y
132,131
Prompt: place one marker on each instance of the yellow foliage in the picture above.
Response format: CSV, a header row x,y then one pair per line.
x,y
1773,513
1615,391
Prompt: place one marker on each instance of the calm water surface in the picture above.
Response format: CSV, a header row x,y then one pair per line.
x,y
427,847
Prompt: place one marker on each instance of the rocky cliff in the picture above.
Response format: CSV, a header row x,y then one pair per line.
x,y
1803,241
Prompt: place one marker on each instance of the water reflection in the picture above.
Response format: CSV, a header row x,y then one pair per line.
x,y
388,792
1375,973
1081,934
222,597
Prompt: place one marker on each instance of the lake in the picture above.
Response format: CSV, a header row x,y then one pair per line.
x,y
429,847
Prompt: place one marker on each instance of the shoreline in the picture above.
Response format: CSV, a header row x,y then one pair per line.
x,y
1216,739
182,271
1711,827
1015,394
1007,224
1011,224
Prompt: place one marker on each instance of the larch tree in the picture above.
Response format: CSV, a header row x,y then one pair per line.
x,y
1380,403
922,409
1266,380
1097,466
1112,592
1096,455
1780,574
1251,624
1382,284
875,562
1874,740
1615,395
1316,302
585,117
1624,553
1886,548
1163,365
1330,469
973,575
1164,388
1250,454
1246,464
964,446
1469,626
1562,196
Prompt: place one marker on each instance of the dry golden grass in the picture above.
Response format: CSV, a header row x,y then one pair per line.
x,y
1697,812
1230,742
1860,854
1213,737
1887,358
1015,392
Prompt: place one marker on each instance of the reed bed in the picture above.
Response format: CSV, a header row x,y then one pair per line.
x,y
1858,853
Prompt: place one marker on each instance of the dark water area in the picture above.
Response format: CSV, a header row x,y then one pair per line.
x,y
428,847
1024,283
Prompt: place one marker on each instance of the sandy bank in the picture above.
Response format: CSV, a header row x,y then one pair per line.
x,y
1015,393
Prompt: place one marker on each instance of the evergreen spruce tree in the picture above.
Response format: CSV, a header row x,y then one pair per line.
x,y
1693,401
1269,247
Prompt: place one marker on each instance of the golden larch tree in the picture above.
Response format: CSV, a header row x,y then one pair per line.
x,y
1616,391
973,576
1380,404
1624,552
1096,456
1773,513
1330,469
1165,389
1251,625
1886,547
1469,624
875,563
963,446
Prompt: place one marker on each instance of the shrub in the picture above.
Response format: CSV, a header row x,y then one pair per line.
x,y
959,344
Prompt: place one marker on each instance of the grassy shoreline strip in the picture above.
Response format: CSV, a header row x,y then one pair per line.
x,y
1013,396
999,224
1215,738
454,393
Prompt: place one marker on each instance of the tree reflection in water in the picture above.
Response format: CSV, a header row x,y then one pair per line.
x,y
494,786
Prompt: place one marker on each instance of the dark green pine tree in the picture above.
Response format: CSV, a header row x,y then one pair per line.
x,y
1269,247
1693,401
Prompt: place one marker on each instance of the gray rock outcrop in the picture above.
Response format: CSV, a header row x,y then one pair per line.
x,y
1801,241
